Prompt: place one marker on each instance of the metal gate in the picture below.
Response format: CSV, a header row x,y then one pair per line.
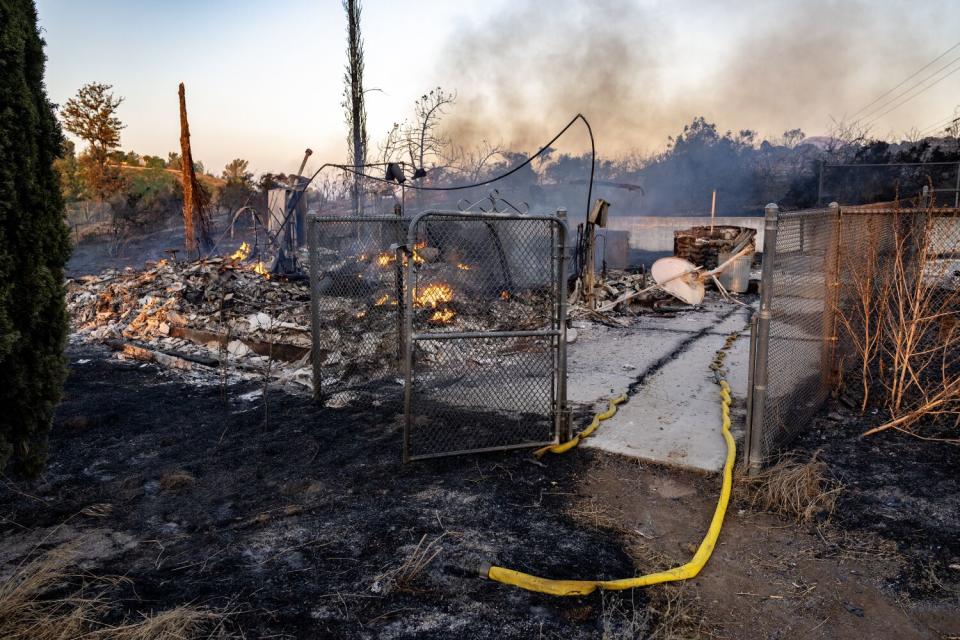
x,y
484,340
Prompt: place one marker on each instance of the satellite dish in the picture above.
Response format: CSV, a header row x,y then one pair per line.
x,y
679,278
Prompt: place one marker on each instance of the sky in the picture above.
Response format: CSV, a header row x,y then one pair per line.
x,y
264,80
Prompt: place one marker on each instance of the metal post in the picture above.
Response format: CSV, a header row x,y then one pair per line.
x,y
820,184
956,193
313,229
758,387
562,415
751,361
831,299
410,283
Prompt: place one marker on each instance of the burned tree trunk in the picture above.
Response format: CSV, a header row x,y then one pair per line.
x,y
353,104
196,223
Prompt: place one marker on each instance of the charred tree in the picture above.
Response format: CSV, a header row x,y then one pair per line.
x,y
34,244
196,222
353,102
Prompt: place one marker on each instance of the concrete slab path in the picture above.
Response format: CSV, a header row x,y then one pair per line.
x,y
673,416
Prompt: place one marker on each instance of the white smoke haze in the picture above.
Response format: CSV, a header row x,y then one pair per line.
x,y
524,72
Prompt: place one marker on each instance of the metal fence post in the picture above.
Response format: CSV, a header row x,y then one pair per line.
x,y
312,247
831,298
562,415
758,386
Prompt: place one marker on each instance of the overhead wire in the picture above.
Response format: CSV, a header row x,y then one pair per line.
x,y
526,161
877,117
904,81
942,124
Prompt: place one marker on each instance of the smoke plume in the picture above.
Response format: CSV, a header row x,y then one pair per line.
x,y
639,73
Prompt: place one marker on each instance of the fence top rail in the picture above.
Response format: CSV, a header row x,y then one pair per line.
x,y
316,217
869,209
487,215
805,212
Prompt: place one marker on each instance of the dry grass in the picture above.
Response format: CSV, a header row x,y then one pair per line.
x,y
404,577
797,490
902,316
621,622
677,616
177,480
33,606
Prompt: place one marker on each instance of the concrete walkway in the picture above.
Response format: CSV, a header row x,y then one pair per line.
x,y
673,417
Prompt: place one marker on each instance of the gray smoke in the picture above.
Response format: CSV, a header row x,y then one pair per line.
x,y
523,73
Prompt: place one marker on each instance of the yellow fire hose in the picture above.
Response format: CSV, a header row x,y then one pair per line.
x,y
575,440
683,572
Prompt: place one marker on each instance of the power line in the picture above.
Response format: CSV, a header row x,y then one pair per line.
x,y
909,98
939,125
884,105
904,81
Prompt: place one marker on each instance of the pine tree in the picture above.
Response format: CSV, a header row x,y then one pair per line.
x,y
34,244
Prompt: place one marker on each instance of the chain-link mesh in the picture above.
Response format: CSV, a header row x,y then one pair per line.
x,y
484,335
840,282
357,293
900,270
800,330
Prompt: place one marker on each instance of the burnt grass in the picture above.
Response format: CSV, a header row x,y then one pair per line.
x,y
290,523
899,488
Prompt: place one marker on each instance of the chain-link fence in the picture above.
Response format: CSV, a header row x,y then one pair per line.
x,y
484,341
837,284
477,337
356,296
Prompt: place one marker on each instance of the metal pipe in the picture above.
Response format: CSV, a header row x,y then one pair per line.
x,y
759,383
751,362
563,423
312,242
409,339
831,300
469,335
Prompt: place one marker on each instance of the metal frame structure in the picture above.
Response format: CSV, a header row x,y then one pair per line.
x,y
555,335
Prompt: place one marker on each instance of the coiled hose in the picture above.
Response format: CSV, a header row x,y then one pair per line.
x,y
684,571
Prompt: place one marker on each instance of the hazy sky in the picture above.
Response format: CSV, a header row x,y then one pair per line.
x,y
264,78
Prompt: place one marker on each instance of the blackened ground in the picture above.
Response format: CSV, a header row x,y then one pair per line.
x,y
291,521
901,488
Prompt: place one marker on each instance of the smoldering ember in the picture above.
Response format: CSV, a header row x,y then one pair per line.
x,y
613,320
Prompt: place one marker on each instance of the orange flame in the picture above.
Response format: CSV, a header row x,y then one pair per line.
x,y
433,295
385,259
241,253
463,267
442,316
504,295
261,269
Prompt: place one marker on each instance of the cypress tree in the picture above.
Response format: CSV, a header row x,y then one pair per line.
x,y
34,244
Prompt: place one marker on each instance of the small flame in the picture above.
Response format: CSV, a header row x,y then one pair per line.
x,y
463,267
382,300
504,295
242,253
385,259
261,269
442,316
434,295
420,245
360,314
